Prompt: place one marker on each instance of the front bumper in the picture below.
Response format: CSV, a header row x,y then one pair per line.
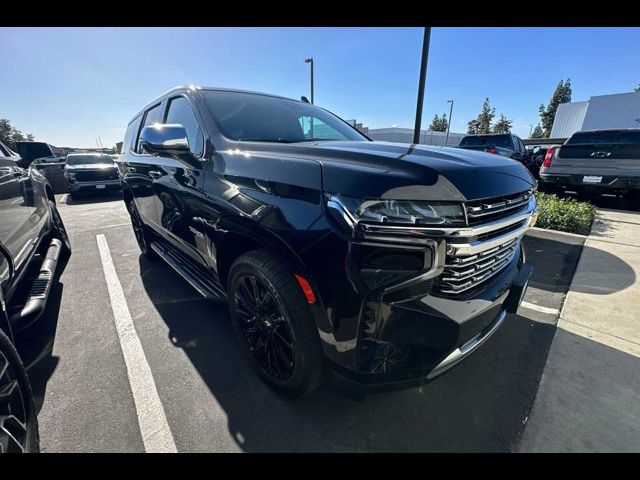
x,y
387,327
94,186
423,338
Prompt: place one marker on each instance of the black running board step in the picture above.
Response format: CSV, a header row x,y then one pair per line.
x,y
192,274
41,287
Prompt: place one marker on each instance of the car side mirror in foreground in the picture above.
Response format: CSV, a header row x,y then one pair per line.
x,y
167,139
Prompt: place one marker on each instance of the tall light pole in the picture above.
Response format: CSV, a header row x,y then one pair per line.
x,y
310,60
530,130
423,77
446,140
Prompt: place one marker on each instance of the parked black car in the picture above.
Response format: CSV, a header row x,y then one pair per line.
x,y
505,144
388,263
89,173
32,237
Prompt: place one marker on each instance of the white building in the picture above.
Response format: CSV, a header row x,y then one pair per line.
x,y
620,110
405,135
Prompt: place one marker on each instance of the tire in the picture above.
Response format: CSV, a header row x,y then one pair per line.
x,y
284,318
17,408
58,228
141,231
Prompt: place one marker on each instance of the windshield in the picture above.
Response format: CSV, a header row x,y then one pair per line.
x,y
261,118
502,141
88,159
610,136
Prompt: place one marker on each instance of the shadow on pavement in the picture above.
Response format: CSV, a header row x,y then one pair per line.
x,y
554,259
85,199
480,405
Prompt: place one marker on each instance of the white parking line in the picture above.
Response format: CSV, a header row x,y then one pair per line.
x,y
533,306
154,428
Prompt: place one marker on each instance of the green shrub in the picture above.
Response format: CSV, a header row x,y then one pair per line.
x,y
564,214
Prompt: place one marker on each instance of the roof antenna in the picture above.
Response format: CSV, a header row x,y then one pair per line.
x,y
304,99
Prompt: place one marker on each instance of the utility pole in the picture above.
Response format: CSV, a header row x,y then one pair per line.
x,y
423,76
310,61
446,140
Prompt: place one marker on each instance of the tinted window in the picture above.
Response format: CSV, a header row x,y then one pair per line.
x,y
130,135
152,116
254,117
180,112
503,141
88,159
613,136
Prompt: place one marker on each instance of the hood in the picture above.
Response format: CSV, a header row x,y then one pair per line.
x,y
92,166
411,172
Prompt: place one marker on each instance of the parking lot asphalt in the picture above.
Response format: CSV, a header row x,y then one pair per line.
x,y
212,399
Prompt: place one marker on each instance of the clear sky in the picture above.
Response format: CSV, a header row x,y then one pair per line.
x,y
68,86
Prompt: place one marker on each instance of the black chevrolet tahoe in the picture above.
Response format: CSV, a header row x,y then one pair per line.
x,y
32,238
383,263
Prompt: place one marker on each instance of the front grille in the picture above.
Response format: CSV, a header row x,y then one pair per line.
x,y
462,273
97,175
481,211
471,261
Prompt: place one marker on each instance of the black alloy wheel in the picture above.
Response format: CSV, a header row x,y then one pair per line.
x,y
18,423
274,323
264,327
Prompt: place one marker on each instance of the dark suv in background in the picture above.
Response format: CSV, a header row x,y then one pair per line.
x,y
32,238
505,144
388,263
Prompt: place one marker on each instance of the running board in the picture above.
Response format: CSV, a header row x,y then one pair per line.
x,y
37,299
193,275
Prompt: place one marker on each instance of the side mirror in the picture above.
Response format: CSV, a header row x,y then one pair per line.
x,y
169,139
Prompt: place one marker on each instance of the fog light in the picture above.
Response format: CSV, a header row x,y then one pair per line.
x,y
534,218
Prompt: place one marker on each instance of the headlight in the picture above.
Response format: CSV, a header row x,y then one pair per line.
x,y
399,212
70,175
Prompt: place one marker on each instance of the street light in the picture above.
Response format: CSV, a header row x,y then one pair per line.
x,y
310,60
446,140
530,130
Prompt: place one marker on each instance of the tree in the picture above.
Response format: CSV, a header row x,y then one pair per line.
x,y
439,124
562,94
637,89
537,132
503,125
482,124
9,135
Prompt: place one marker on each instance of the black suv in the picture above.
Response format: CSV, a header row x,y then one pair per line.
x,y
388,263
32,237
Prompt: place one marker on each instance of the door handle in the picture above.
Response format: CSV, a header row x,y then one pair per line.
x,y
131,170
155,174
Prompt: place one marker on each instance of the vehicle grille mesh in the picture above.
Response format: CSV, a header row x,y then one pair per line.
x,y
466,272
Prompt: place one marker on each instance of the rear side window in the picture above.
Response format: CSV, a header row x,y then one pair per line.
x,y
503,141
180,112
153,115
596,138
130,135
